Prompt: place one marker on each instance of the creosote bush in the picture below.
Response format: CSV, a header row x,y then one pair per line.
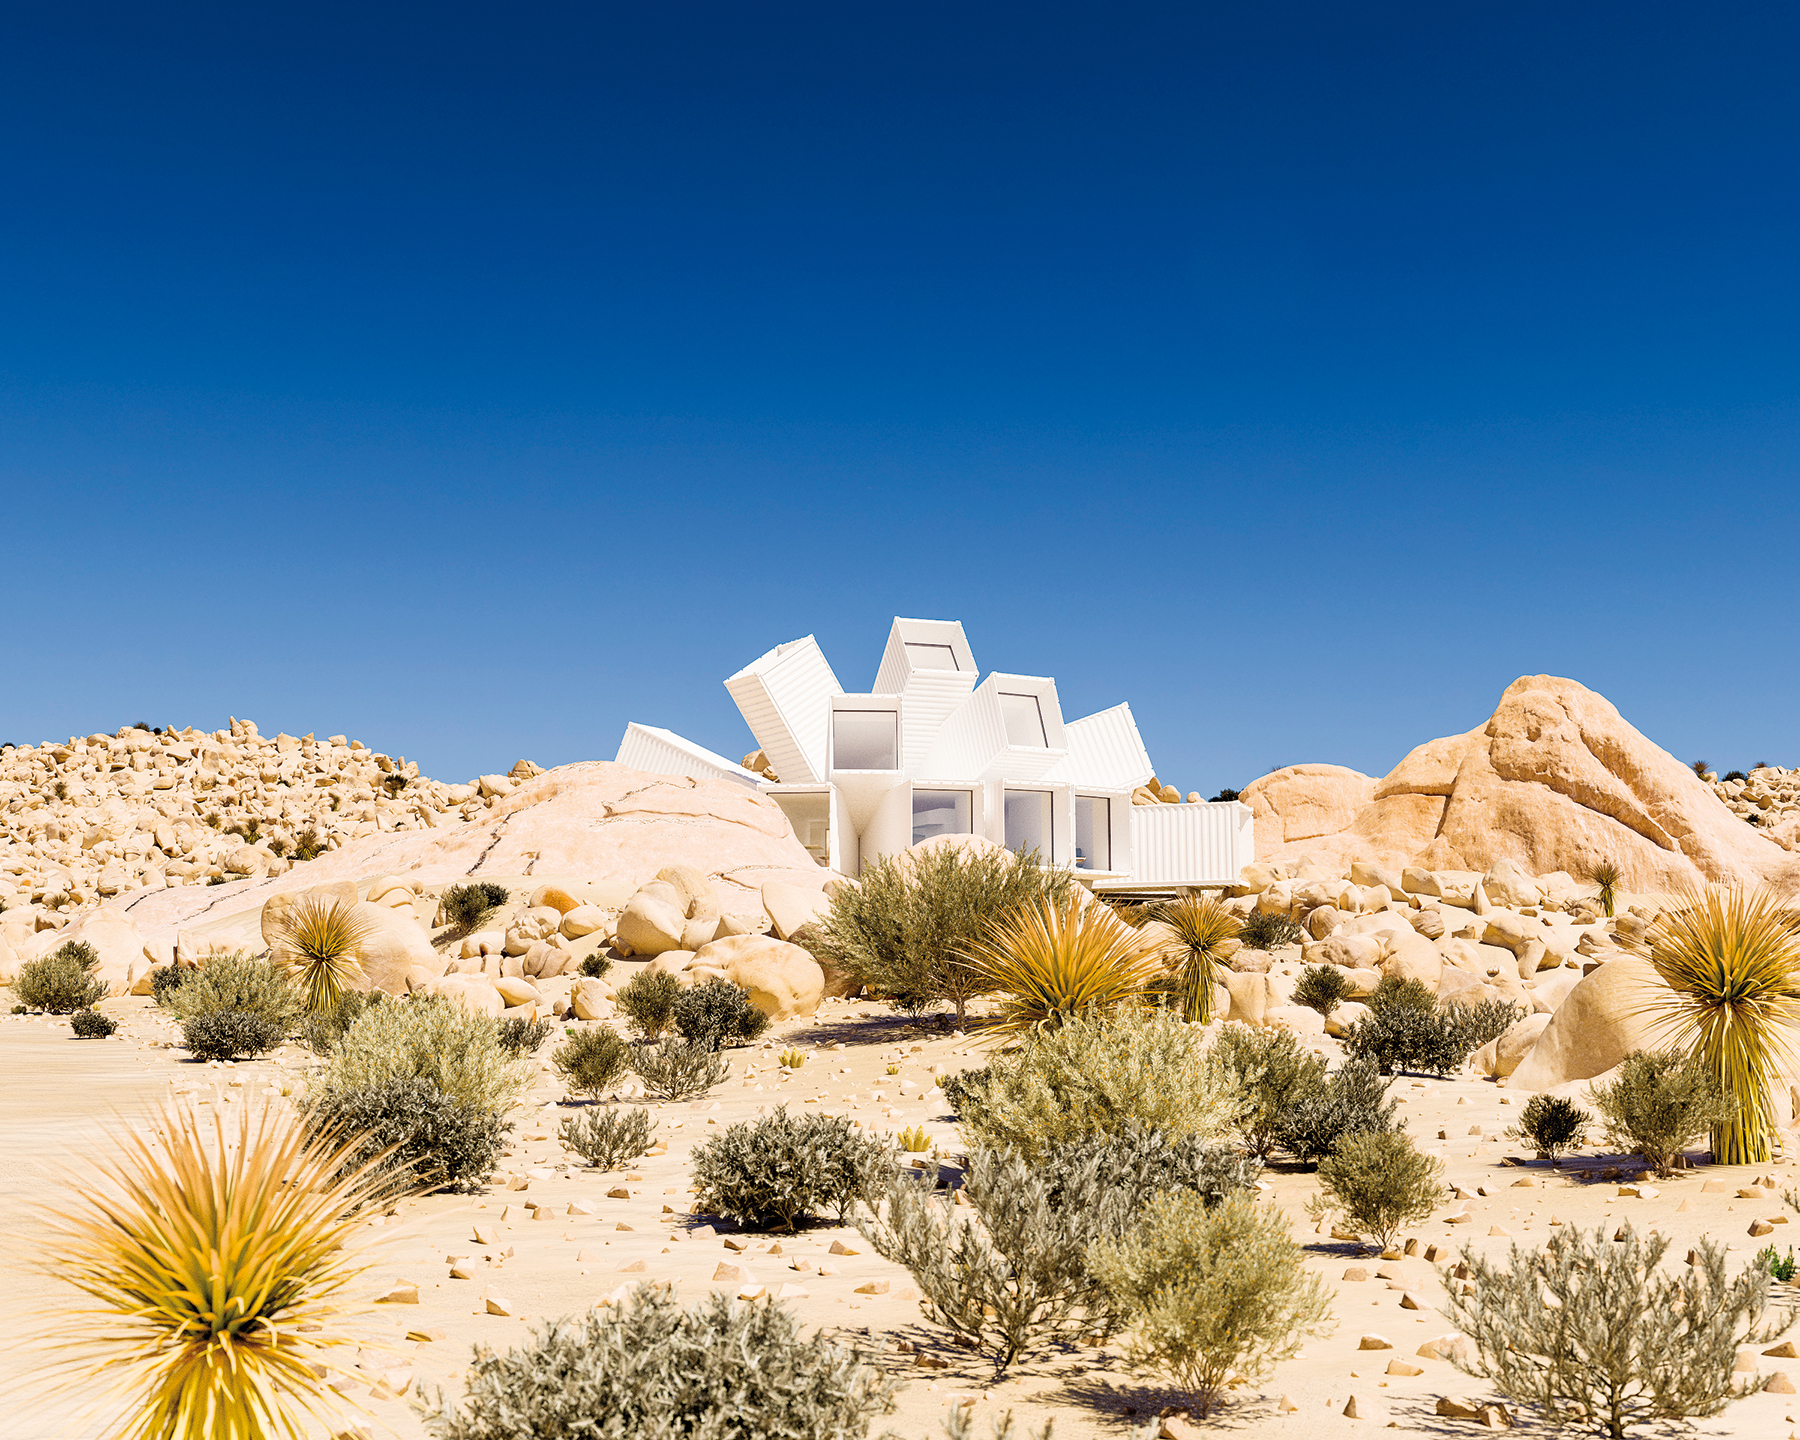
x,y
1660,1103
726,1370
1591,1331
594,966
61,981
464,906
519,1036
717,1013
1354,1101
1553,1125
1322,988
1408,1029
1211,1291
1381,1182
91,1025
434,1141
1271,1075
772,1172
1266,930
606,1139
647,1001
244,984
592,1061
321,1030
678,1069
432,1037
230,1034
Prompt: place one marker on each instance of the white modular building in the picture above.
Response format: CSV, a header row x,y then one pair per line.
x,y
933,749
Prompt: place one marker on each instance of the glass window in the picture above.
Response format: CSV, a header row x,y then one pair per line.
x,y
931,657
1028,822
1024,720
941,812
865,739
1093,832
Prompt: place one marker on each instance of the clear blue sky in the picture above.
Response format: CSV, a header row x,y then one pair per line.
x,y
475,380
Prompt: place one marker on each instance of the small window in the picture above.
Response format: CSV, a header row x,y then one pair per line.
x,y
1024,719
941,812
1093,832
865,739
931,657
1028,822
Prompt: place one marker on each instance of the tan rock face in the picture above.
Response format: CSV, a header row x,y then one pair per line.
x,y
1303,802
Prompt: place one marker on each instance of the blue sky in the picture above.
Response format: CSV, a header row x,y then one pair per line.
x,y
474,381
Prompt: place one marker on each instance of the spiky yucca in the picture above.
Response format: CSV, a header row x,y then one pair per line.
x,y
217,1253
1055,959
1732,959
1190,933
1606,876
320,938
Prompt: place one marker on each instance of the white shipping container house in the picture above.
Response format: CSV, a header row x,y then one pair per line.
x,y
928,751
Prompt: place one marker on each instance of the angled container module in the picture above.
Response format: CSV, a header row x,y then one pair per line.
x,y
782,696
1011,727
663,752
862,758
1199,844
930,665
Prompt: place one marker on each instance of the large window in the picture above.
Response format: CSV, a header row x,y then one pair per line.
x,y
941,812
931,657
1028,822
865,739
1093,832
1024,720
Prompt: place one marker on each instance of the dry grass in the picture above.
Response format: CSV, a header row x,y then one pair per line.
x,y
319,938
1057,959
217,1254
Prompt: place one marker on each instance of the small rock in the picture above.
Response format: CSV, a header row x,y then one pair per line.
x,y
1456,1409
1350,1410
1404,1367
1356,1272
1374,1342
634,1267
1761,1227
1780,1384
426,1334
1784,1351
729,1273
873,1287
838,1247
496,1303
404,1292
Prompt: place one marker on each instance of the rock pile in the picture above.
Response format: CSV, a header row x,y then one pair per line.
x,y
1769,799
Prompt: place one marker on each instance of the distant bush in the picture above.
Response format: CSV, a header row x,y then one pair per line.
x,y
606,1139
1267,930
322,1030
647,1001
432,1037
464,906
716,1013
1271,1075
164,978
230,1034
440,1142
519,1036
772,1172
678,1069
307,844
1354,1102
239,983
592,1061
1228,794
594,966
1553,1125
1735,775
1660,1103
1322,988
61,981
644,1367
1381,1182
1211,1291
91,1025
1407,1029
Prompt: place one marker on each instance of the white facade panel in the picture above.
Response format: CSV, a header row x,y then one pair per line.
x,y
1204,844
663,752
1105,752
782,696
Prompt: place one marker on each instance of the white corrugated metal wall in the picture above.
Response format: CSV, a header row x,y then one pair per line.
x,y
1205,844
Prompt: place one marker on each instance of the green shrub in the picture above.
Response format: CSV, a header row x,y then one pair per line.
x,y
432,1037
1322,988
442,1142
905,928
723,1371
1354,1102
91,1025
240,983
1264,930
772,1172
965,1088
61,981
1137,1162
678,1070
465,906
1208,1291
230,1034
1553,1125
1270,1075
594,966
606,1139
1094,1074
1408,1030
166,978
1779,1267
592,1061
519,1036
1381,1182
717,1013
647,1001
1660,1103
1590,1330
319,1031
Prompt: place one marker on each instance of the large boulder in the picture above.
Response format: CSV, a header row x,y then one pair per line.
x,y
792,907
650,925
783,980
1302,802
117,942
1601,1022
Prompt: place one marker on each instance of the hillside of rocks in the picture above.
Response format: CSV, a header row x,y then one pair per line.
x,y
1555,781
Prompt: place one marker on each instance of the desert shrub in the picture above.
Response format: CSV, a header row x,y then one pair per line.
x,y
906,927
1093,1075
606,1139
1270,930
1660,1103
1780,1267
1734,775
594,966
91,1025
592,1061
716,1013
61,981
241,983
724,1370
1589,1330
307,844
1322,988
1606,878
465,906
771,1172
1394,991
321,1030
1270,1075
432,1037
1057,959
1227,794
230,1034
1354,1102
1209,1291
678,1070
1553,1125
1408,1030
1137,1162
519,1036
164,978
318,940
647,1001
965,1088
1381,1182
434,1141
1190,935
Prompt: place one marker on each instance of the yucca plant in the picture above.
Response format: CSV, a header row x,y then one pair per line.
x,y
319,938
217,1254
1056,959
1606,876
1190,933
1731,957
